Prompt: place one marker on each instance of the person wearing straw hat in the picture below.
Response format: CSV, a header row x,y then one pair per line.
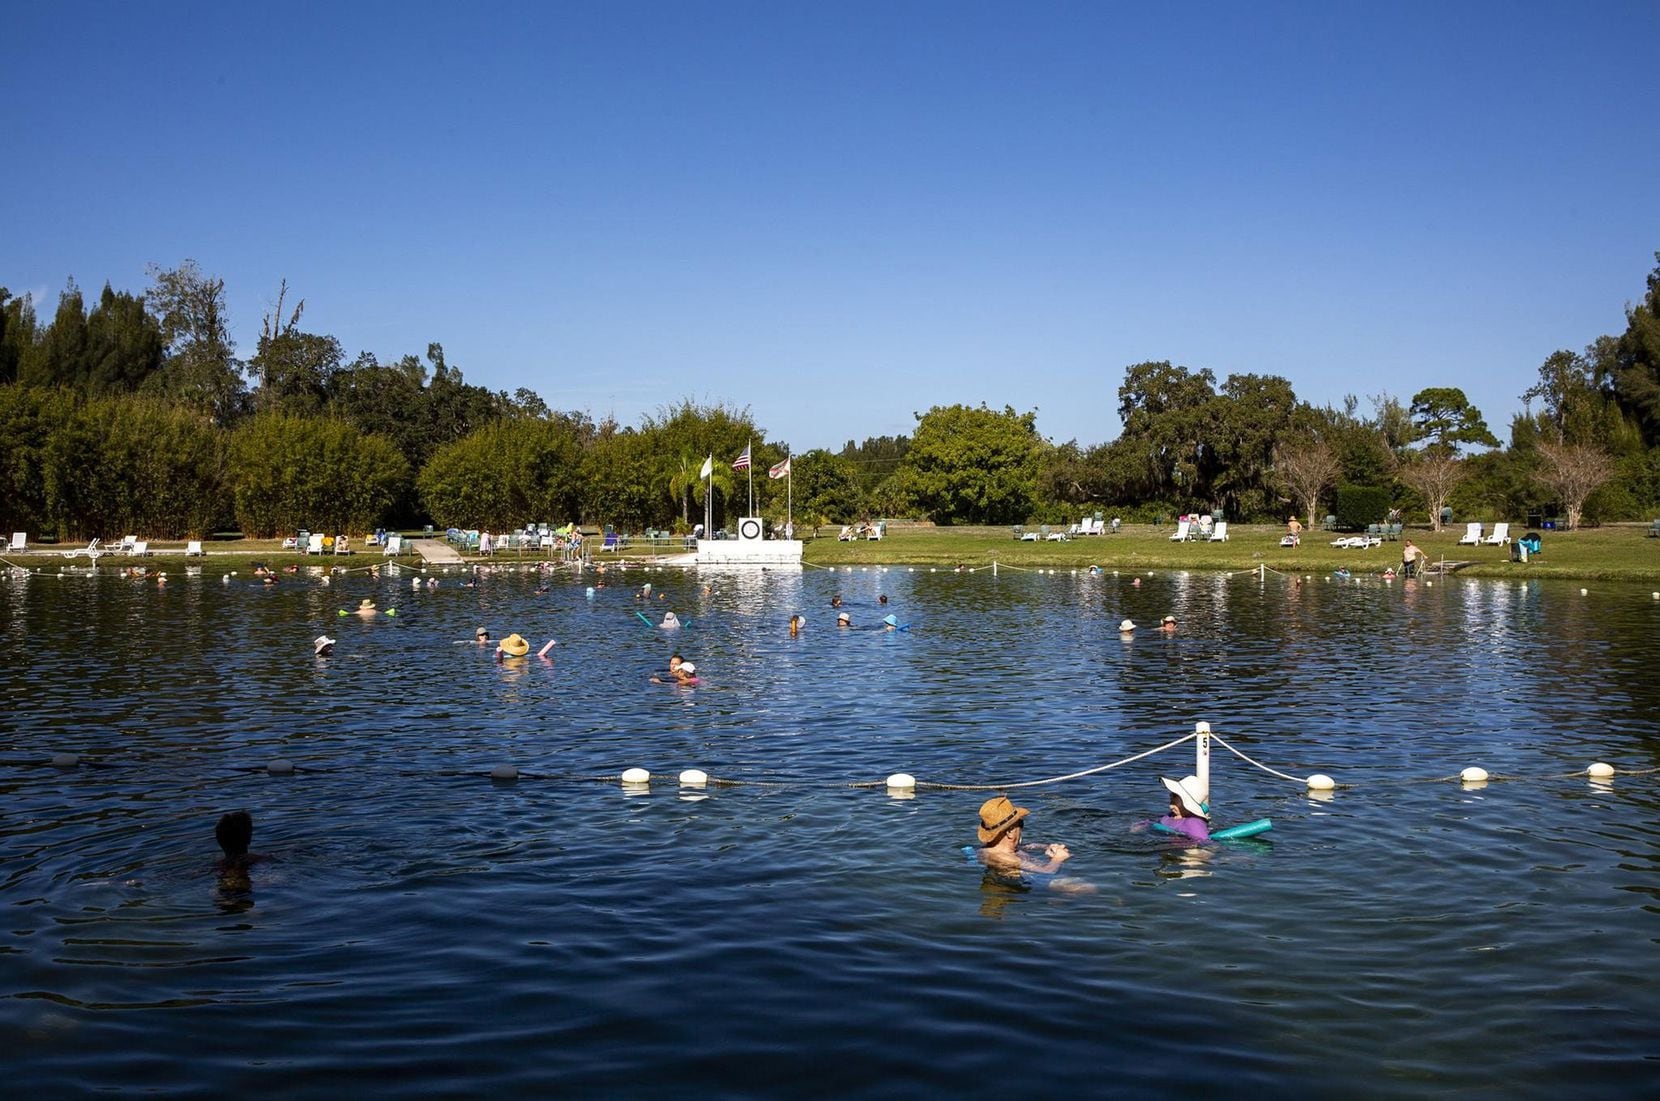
x,y
1188,814
514,645
366,608
1168,624
481,636
1126,627
1001,825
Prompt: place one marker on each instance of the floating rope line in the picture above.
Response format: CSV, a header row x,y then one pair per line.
x,y
1271,771
1052,779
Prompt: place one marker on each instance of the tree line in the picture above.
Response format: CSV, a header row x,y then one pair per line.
x,y
134,413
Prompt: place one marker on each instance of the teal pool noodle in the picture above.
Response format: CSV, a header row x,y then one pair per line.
x,y
1244,829
644,620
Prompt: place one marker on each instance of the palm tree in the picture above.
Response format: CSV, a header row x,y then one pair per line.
x,y
685,483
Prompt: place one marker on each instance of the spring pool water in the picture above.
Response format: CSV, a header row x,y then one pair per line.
x,y
418,926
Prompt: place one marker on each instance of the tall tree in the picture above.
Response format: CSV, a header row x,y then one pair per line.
x,y
1445,417
1306,467
1572,472
972,465
1633,363
201,368
1434,474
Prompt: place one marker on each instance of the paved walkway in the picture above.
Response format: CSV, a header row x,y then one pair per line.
x,y
438,552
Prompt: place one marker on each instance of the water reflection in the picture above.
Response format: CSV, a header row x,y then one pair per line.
x,y
556,930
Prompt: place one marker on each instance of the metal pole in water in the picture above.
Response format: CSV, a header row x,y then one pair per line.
x,y
1201,755
994,567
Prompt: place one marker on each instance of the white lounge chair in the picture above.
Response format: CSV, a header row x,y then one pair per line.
x,y
1290,540
1472,535
20,541
92,550
394,545
126,546
341,545
193,549
1182,527
140,548
1500,536
314,545
1219,533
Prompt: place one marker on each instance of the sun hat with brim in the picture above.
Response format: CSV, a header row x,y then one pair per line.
x,y
844,618
515,646
891,620
997,817
1168,619
365,603
1127,625
321,643
481,633
688,668
1185,789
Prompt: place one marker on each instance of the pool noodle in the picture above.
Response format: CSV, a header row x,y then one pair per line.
x,y
1230,833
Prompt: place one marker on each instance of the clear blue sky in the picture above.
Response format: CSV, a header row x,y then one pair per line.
x,y
841,214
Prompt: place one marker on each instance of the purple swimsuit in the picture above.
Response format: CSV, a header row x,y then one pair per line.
x,y
1196,828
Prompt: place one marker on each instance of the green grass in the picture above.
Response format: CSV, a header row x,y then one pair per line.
x,y
1612,553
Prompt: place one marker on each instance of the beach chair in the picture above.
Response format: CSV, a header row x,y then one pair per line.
x,y
1219,533
314,544
1472,534
140,548
20,539
393,545
342,545
91,550
126,546
1653,533
1290,540
1500,536
877,530
193,549
1182,528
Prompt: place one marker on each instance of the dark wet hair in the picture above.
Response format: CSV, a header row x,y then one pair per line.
x,y
235,832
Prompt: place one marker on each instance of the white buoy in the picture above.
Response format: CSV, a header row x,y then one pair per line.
x,y
504,772
694,778
1655,596
1475,774
1585,592
1321,782
65,760
902,781
636,776
282,766
1429,584
1600,771
225,579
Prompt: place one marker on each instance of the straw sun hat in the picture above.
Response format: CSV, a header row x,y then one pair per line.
x,y
997,817
515,645
1127,625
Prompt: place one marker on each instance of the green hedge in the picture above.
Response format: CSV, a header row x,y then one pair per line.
x,y
1358,506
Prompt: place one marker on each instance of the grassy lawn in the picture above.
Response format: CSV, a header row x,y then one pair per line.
x,y
1610,553
1615,552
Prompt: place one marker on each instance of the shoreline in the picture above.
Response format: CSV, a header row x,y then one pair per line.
x,y
1609,553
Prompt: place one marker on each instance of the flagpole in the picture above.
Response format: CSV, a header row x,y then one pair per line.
x,y
789,497
750,451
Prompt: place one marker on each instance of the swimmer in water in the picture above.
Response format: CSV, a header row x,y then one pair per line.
x,y
796,623
1001,825
481,636
1188,815
366,608
322,646
1168,624
844,620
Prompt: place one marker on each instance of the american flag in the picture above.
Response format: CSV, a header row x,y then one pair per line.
x,y
742,461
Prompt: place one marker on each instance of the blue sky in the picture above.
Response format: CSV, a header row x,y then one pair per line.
x,y
842,214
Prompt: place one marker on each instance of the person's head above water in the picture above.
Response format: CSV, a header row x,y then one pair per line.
x,y
1184,797
322,646
844,620
998,818
235,832
482,635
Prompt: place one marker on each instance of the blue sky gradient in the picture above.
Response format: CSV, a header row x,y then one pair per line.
x,y
839,215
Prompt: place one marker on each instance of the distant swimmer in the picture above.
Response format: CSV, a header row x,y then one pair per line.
x,y
366,608
513,646
481,636
796,623
322,646
670,621
681,671
1168,624
844,620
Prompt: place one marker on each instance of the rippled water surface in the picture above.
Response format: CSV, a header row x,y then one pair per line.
x,y
417,926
